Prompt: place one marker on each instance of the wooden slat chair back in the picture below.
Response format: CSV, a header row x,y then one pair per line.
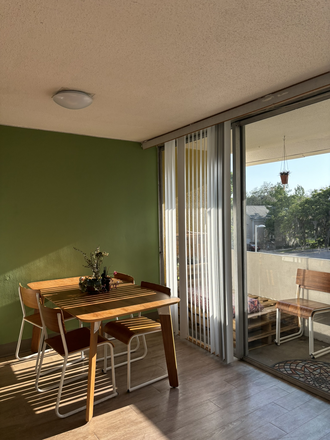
x,y
125,330
67,343
124,277
51,318
313,280
305,308
157,287
29,297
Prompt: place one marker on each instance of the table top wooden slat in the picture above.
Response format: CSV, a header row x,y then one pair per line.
x,y
121,301
65,284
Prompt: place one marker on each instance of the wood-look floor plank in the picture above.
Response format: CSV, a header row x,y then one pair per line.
x,y
292,420
213,401
313,429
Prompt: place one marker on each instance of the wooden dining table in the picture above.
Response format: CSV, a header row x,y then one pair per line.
x,y
120,301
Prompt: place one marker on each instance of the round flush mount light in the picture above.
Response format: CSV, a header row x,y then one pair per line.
x,y
72,99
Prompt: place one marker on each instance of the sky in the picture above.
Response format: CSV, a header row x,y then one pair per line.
x,y
312,172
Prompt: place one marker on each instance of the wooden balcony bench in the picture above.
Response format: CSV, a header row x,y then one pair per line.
x,y
304,308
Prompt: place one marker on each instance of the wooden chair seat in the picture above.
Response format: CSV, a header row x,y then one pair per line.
x,y
304,308
125,329
76,340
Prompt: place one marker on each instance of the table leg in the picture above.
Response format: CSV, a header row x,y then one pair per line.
x,y
169,347
36,333
91,370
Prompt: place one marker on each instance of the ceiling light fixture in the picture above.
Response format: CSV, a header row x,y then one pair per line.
x,y
72,99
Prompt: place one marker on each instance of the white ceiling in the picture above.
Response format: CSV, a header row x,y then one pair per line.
x,y
153,65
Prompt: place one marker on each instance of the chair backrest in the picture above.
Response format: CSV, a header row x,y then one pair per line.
x,y
124,277
50,318
157,287
313,280
28,297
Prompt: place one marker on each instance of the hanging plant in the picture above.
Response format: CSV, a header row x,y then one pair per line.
x,y
284,173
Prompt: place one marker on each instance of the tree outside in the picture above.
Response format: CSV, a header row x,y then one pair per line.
x,y
295,219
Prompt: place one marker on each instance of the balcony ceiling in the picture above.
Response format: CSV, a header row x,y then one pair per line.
x,y
152,65
306,131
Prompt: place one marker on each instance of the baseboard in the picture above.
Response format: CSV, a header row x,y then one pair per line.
x,y
10,348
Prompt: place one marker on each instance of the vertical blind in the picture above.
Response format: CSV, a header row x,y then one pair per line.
x,y
204,289
170,226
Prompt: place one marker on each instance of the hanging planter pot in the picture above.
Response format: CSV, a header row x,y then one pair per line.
x,y
284,177
284,174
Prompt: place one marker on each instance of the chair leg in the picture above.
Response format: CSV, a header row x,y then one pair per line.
x,y
105,359
39,348
39,367
132,351
19,340
288,338
311,336
82,354
129,361
19,346
128,371
62,382
57,407
278,327
315,354
113,374
122,353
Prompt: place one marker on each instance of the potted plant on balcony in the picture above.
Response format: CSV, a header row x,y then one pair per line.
x,y
284,174
284,177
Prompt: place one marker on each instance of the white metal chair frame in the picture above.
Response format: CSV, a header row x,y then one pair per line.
x,y
313,354
35,320
131,324
111,338
81,346
129,351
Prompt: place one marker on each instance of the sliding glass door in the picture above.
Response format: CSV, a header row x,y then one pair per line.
x,y
287,227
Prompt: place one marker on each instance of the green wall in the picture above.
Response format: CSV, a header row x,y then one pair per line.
x,y
59,191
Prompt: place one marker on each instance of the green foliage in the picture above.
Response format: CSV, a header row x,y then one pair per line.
x,y
94,262
295,218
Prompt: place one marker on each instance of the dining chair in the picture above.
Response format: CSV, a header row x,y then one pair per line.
x,y
125,330
124,278
67,343
28,299
129,280
305,307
